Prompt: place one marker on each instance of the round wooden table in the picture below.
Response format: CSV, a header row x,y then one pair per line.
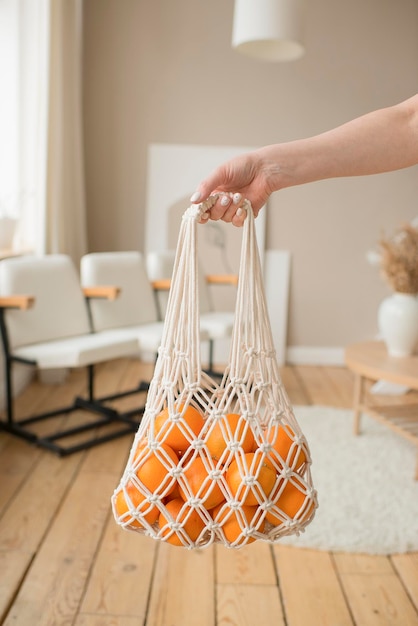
x,y
370,360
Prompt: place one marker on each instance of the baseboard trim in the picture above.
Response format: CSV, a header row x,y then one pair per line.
x,y
295,355
307,355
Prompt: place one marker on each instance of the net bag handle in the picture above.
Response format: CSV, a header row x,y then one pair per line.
x,y
252,351
181,331
251,327
179,357
252,347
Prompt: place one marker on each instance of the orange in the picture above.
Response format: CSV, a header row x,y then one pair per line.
x,y
175,493
282,440
122,507
232,527
256,468
196,474
290,502
192,522
177,435
230,427
154,466
142,444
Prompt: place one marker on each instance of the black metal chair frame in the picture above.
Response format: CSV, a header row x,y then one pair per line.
x,y
142,386
91,404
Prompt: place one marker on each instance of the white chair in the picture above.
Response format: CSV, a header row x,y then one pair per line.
x,y
44,323
215,324
133,315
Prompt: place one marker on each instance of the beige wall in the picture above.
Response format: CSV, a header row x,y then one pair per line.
x,y
163,71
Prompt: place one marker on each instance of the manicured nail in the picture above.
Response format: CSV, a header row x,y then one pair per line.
x,y
225,201
204,216
196,196
240,212
236,198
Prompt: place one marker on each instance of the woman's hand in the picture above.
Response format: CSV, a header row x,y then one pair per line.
x,y
244,177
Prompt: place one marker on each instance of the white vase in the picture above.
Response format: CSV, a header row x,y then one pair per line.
x,y
398,323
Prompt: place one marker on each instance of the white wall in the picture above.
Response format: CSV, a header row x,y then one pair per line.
x,y
164,72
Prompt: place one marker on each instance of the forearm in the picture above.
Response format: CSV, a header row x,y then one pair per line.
x,y
380,141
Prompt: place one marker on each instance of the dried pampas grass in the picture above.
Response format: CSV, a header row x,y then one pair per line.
x,y
399,260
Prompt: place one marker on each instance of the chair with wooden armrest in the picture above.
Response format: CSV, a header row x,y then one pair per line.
x,y
50,329
133,314
214,324
107,292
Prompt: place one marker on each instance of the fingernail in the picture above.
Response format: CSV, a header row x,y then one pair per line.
x,y
204,216
236,198
225,200
239,212
196,196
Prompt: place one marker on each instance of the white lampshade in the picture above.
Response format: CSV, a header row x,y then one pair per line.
x,y
269,30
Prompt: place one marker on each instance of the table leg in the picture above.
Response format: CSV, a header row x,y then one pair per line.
x,y
358,399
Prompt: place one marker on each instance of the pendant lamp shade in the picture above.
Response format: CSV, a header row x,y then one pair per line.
x,y
269,30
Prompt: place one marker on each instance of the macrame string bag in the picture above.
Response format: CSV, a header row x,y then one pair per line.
x,y
222,462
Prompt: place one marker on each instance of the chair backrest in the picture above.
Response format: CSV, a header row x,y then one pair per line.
x,y
60,309
160,266
136,303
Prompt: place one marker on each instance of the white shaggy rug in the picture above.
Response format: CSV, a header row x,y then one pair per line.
x,y
368,498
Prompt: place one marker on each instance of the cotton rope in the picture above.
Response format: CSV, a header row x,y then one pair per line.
x,y
251,388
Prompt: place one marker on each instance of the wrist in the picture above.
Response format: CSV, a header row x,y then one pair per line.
x,y
275,164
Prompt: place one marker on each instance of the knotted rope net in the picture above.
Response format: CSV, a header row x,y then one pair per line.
x,y
211,461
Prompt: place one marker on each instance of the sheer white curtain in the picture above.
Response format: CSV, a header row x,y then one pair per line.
x,y
41,155
65,200
24,49
41,161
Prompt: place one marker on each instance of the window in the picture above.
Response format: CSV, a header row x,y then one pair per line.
x,y
24,41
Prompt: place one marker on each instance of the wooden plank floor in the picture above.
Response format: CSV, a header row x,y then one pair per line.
x,y
63,560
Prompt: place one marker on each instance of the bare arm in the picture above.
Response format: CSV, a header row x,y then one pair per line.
x,y
381,141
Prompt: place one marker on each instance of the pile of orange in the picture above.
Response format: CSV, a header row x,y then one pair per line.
x,y
160,495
